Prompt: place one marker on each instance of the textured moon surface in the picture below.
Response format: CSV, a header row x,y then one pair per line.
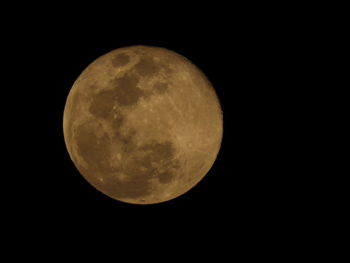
x,y
142,124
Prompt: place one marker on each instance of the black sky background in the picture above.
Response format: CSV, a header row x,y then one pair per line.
x,y
251,187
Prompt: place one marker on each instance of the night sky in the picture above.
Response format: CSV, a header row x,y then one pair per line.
x,y
250,186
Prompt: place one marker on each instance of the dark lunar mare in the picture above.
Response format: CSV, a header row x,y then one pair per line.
x,y
152,160
120,60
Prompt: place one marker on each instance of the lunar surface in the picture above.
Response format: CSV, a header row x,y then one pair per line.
x,y
143,125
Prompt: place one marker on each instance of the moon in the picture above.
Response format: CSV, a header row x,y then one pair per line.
x,y
143,125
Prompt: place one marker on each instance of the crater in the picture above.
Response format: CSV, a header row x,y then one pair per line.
x,y
146,66
120,60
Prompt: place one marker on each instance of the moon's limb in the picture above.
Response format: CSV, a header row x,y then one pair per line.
x,y
142,124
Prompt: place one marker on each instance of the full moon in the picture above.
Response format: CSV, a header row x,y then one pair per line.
x,y
142,124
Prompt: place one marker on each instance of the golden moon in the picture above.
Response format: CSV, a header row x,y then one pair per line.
x,y
142,124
